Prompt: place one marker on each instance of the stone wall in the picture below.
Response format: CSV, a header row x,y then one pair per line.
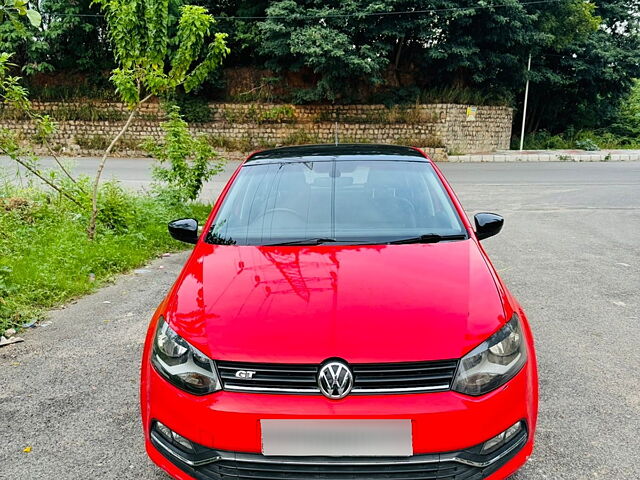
x,y
86,128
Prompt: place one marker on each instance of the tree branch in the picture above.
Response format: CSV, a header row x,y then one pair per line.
x,y
91,230
42,177
33,116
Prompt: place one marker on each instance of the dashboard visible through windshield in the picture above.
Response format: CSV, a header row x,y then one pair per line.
x,y
341,201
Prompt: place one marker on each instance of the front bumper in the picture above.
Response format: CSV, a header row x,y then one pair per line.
x,y
209,464
229,423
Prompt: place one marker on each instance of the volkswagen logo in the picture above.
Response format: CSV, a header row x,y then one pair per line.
x,y
335,380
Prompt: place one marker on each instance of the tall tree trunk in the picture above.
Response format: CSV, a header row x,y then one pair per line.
x,y
396,62
91,230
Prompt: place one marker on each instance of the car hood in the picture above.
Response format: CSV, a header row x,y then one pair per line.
x,y
378,303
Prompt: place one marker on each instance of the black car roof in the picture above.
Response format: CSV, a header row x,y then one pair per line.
x,y
344,151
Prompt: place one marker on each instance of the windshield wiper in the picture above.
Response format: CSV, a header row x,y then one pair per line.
x,y
306,241
428,238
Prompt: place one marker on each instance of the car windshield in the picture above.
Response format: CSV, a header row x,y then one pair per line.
x,y
343,201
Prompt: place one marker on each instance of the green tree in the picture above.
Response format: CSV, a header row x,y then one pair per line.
x,y
579,77
14,95
441,44
159,45
628,121
316,36
71,39
12,10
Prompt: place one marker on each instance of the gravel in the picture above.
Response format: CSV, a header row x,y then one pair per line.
x,y
569,251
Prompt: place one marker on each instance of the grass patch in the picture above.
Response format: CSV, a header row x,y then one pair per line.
x,y
46,258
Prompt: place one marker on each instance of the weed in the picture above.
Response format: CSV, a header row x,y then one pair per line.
x,y
421,141
92,142
278,114
101,142
46,258
301,137
253,114
583,139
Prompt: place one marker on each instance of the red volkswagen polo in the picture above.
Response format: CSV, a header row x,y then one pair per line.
x,y
339,319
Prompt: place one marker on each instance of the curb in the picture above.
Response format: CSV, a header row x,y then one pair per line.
x,y
560,156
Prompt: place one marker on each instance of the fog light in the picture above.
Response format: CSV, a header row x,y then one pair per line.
x,y
164,431
502,438
173,438
182,442
493,443
511,431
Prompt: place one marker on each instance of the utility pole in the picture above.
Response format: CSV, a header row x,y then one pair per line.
x,y
526,98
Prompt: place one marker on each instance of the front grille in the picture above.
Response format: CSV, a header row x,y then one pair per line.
x,y
369,378
246,467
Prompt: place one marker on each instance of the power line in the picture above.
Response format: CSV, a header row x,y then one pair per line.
x,y
383,14
343,15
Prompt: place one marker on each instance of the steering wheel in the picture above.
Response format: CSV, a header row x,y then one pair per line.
x,y
290,211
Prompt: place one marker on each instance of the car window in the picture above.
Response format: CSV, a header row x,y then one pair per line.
x,y
349,201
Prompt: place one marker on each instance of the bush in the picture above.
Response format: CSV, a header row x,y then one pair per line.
x,y
190,161
278,114
583,139
46,258
587,144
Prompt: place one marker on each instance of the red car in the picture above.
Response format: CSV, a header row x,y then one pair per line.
x,y
339,319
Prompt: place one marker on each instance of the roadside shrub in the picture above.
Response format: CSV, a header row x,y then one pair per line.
x,y
92,142
301,137
278,114
581,139
117,208
47,259
184,161
587,144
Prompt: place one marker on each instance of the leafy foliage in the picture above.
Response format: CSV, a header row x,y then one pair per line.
x,y
580,76
193,109
14,9
600,139
160,45
585,53
71,39
185,162
15,96
59,262
628,120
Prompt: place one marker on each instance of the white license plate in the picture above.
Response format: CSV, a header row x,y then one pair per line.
x,y
337,438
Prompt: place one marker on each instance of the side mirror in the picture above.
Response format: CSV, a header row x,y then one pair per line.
x,y
185,230
488,225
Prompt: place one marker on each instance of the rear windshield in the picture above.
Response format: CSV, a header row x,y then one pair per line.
x,y
350,202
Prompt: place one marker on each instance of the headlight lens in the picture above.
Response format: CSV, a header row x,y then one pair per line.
x,y
494,362
182,364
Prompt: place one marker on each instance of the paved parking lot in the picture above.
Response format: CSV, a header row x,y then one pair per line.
x,y
570,251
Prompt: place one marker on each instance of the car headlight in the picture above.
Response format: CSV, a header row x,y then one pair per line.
x,y
494,362
182,364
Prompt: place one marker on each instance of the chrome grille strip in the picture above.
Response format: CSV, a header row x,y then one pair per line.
x,y
373,379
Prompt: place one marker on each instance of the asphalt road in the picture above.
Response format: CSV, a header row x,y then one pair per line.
x,y
570,251
134,173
